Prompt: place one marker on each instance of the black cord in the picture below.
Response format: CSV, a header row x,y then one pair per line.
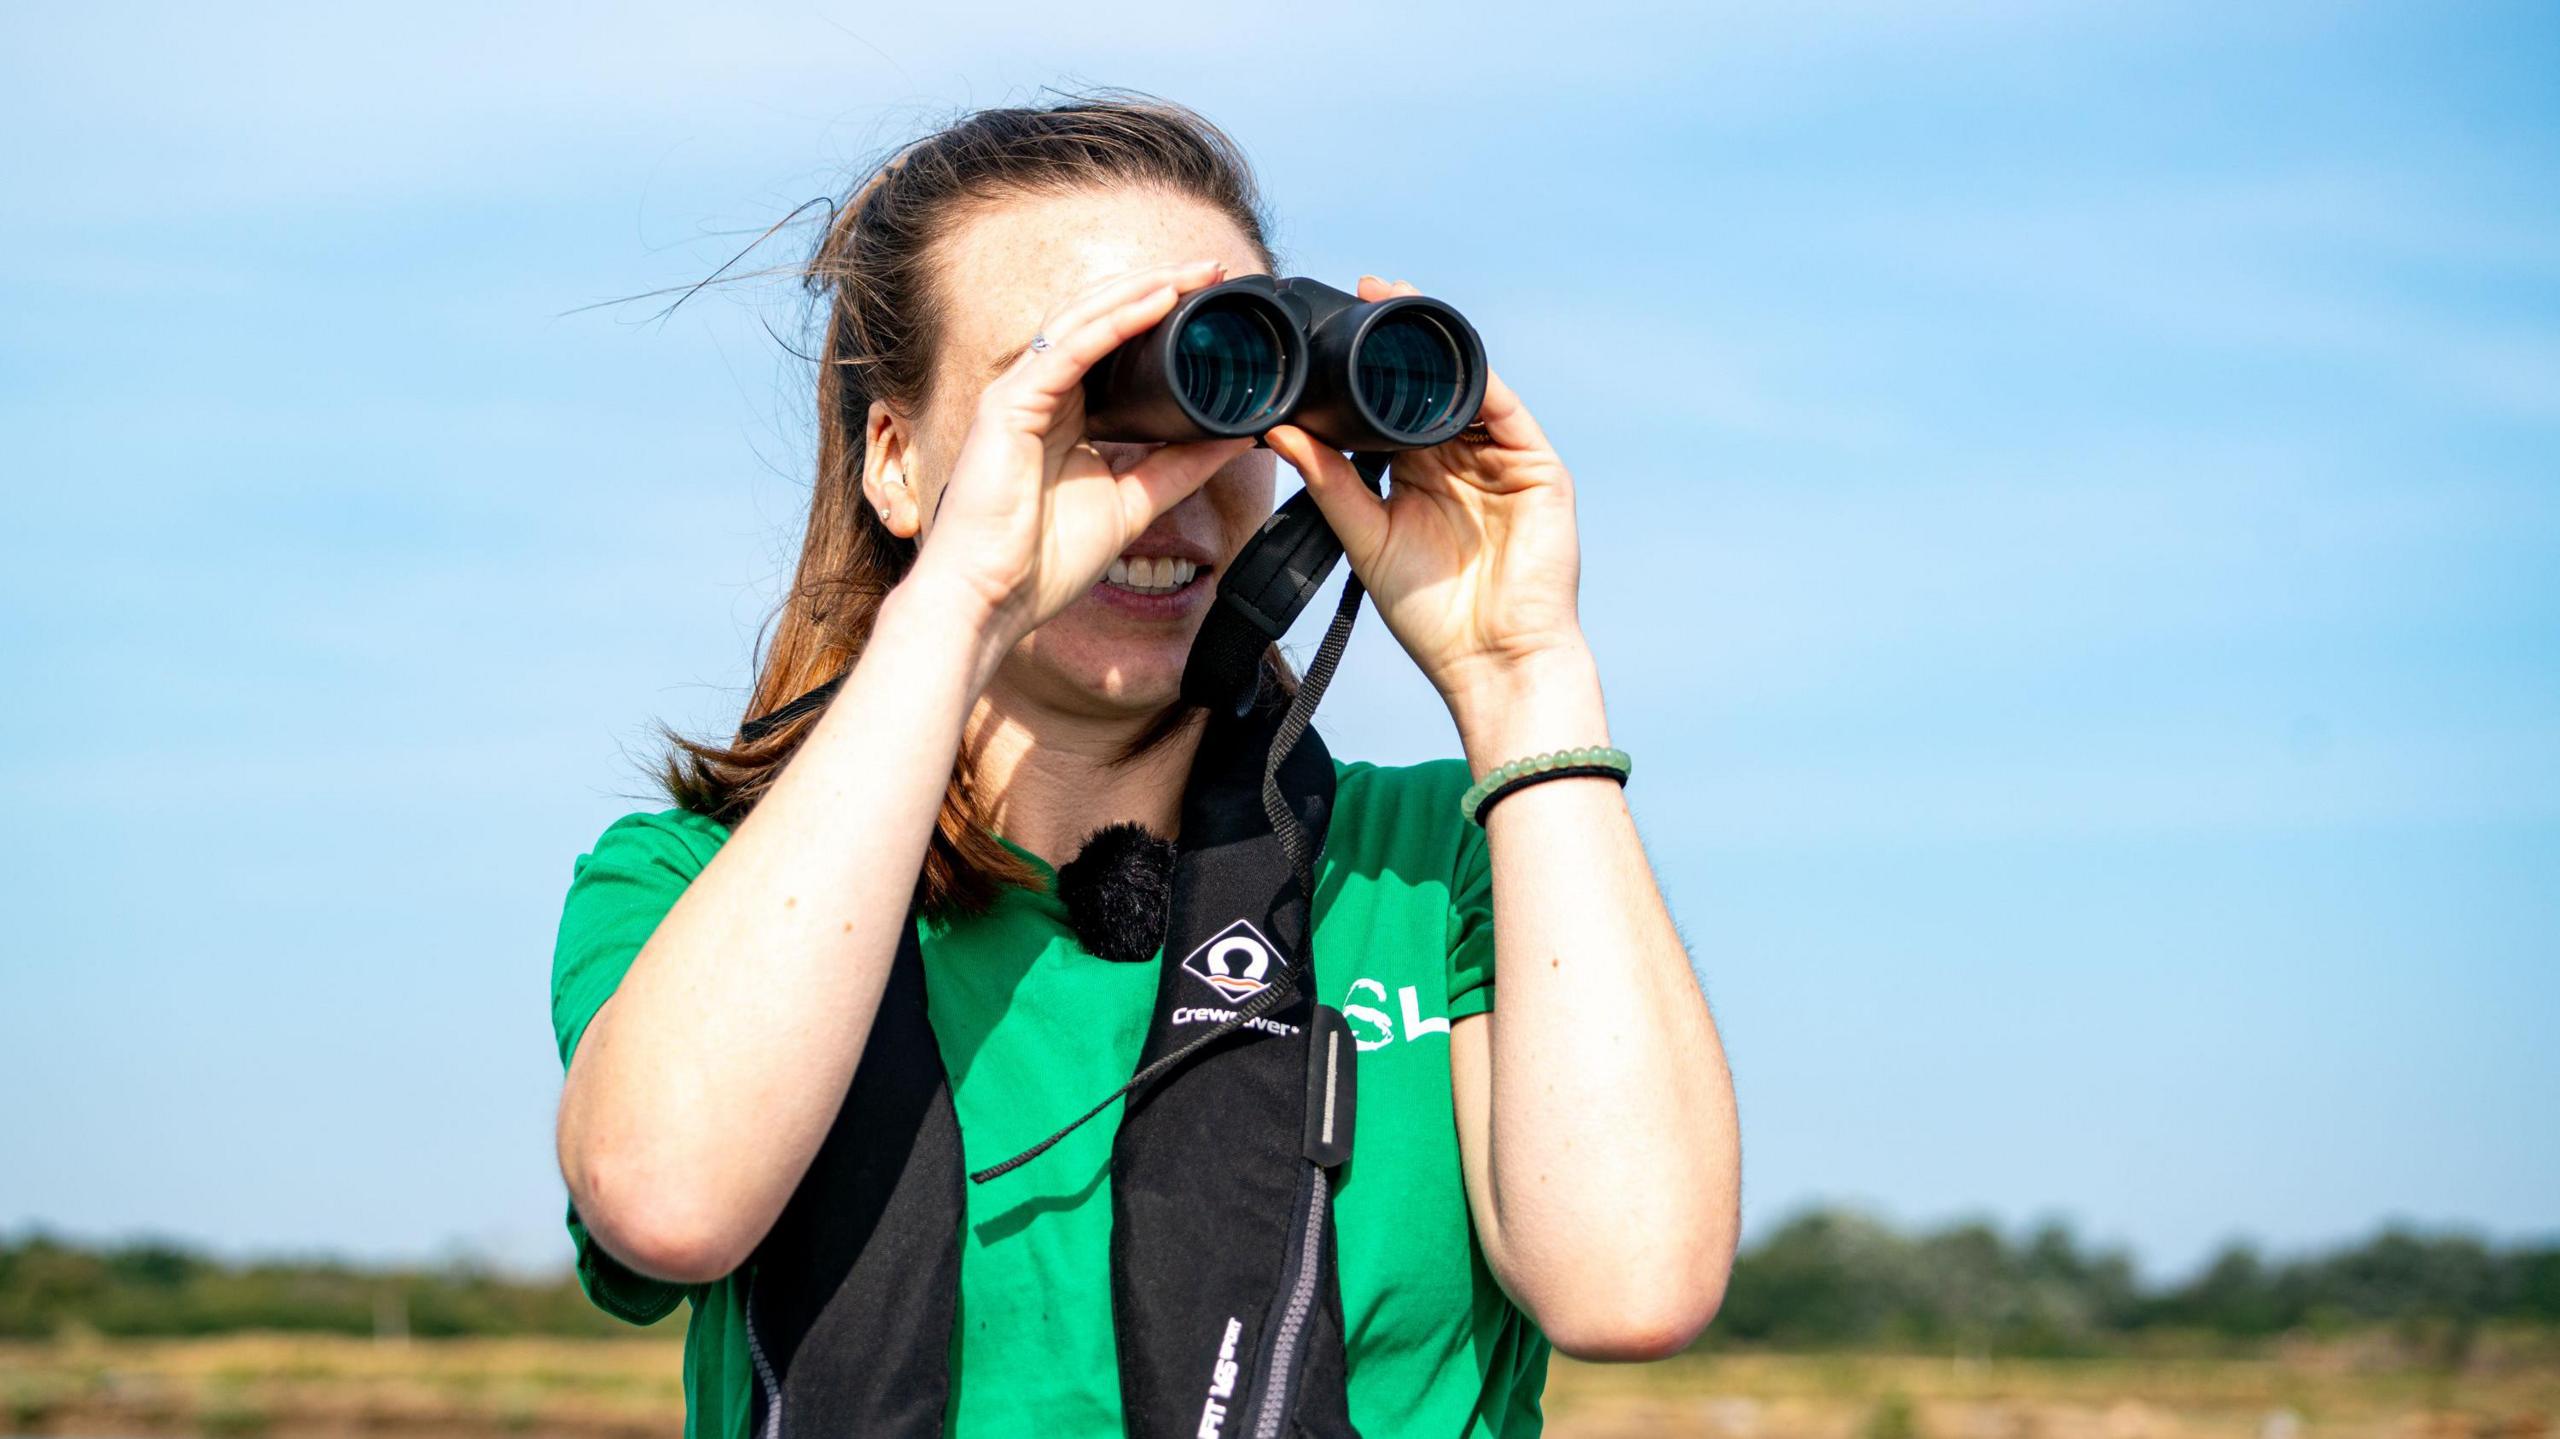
x,y
1517,783
1285,825
1293,841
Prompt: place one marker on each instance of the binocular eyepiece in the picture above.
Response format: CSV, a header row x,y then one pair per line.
x,y
1237,358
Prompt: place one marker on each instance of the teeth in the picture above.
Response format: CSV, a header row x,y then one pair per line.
x,y
1160,574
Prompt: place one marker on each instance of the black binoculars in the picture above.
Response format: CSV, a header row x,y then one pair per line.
x,y
1237,358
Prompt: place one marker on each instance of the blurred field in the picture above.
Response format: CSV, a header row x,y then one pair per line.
x,y
274,1387
2328,1392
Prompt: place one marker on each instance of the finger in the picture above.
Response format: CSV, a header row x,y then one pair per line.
x,y
1358,516
1373,288
1508,421
1118,315
1169,475
1109,294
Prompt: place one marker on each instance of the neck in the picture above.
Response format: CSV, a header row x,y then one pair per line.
x,y
1049,780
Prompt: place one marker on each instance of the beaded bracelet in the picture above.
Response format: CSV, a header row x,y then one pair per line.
x,y
1595,761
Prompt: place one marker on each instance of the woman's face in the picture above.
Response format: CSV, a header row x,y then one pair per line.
x,y
1118,650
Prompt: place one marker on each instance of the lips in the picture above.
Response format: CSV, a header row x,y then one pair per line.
x,y
1159,577
1160,562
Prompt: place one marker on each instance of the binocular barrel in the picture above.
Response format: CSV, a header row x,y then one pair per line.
x,y
1237,358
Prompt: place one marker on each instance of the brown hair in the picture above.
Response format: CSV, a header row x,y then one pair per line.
x,y
874,272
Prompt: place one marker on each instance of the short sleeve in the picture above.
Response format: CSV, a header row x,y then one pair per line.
x,y
618,892
1471,925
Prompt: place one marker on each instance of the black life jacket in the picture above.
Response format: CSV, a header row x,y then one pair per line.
x,y
1226,1307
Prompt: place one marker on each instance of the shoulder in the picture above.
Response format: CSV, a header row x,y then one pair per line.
x,y
677,838
618,891
1403,860
1412,801
1402,818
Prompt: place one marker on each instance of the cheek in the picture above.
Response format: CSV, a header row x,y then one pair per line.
x,y
937,445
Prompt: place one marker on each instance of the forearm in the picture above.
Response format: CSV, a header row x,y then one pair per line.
x,y
703,1087
1610,1156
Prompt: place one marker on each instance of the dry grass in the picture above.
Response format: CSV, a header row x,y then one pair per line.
x,y
273,1387
284,1387
2306,1394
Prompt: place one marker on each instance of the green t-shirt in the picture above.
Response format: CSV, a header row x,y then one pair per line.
x,y
1032,1028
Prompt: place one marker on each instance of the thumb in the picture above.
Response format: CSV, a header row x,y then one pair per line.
x,y
1357,515
1169,475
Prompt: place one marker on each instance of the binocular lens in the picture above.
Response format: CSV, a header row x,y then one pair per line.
x,y
1229,362
1409,372
1236,359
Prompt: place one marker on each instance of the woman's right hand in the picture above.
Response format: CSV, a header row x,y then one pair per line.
x,y
791,924
1032,514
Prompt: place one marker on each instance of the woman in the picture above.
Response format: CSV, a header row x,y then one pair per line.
x,y
1561,1171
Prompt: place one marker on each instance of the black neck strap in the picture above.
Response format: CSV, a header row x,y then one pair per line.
x,y
1225,1306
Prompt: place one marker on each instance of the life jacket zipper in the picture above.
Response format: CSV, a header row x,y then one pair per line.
x,y
1282,1376
764,1371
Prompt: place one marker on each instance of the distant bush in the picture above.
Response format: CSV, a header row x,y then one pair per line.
x,y
1894,1417
48,1286
1826,1279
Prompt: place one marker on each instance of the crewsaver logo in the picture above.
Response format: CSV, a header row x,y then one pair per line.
x,y
1236,962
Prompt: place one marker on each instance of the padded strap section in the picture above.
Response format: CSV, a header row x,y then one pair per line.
x,y
855,1285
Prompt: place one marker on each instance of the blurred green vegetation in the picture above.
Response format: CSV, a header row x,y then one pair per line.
x,y
1826,1279
150,1288
1835,1280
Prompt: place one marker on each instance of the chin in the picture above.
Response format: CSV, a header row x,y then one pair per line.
x,y
1088,670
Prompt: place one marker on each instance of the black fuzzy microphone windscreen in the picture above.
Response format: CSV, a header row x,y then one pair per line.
x,y
1118,890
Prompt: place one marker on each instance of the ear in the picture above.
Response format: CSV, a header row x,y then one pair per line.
x,y
889,484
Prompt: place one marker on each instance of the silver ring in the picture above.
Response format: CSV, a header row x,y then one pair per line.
x,y
1039,342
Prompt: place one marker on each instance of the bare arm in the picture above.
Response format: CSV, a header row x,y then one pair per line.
x,y
1596,1118
703,1087
1595,1113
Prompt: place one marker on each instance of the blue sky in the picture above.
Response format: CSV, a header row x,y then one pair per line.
x,y
2070,498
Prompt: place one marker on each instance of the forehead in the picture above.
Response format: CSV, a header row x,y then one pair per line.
x,y
1015,260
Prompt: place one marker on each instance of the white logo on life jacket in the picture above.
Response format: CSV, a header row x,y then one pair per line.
x,y
1222,1382
1235,961
1220,1014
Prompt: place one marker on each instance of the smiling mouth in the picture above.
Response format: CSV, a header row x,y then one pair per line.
x,y
1152,574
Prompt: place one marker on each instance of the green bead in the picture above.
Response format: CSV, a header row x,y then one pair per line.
x,y
1591,756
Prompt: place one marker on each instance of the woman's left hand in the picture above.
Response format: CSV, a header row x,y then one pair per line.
x,y
1618,1251
1471,557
